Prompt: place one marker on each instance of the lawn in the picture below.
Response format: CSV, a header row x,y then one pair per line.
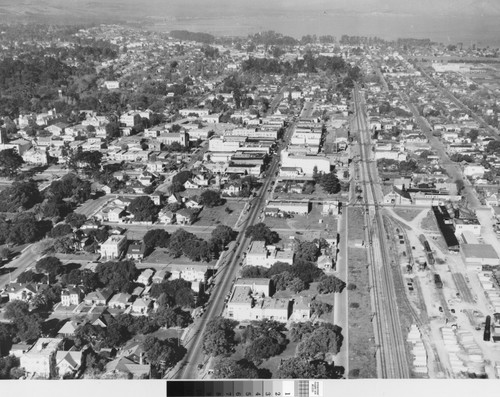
x,y
218,215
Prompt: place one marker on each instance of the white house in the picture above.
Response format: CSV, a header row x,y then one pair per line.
x,y
113,247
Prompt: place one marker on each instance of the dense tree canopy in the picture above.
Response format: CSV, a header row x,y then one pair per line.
x,y
143,209
10,162
119,276
211,198
330,182
223,235
69,186
166,352
302,368
49,265
76,220
261,231
156,238
230,368
19,196
218,337
328,284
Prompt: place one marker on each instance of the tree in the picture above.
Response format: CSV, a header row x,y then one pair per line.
x,y
261,232
223,235
76,220
60,230
324,339
93,363
16,309
171,317
330,183
300,331
49,265
6,365
10,162
329,284
254,272
319,308
177,241
5,253
156,238
112,130
262,348
282,280
143,209
24,228
29,276
473,135
182,177
296,285
306,271
88,161
301,368
166,353
229,368
64,245
27,325
211,198
21,195
307,251
218,337
118,276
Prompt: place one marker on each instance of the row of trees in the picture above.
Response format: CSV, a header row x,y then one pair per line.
x,y
266,338
185,243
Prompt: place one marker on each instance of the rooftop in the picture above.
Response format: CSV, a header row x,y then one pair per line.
x,y
479,251
241,295
44,346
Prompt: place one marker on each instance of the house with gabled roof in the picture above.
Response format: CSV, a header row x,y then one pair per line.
x,y
120,301
184,216
22,292
141,306
68,362
136,251
69,328
189,184
166,216
99,297
174,198
127,366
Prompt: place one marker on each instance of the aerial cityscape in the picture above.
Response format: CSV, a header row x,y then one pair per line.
x,y
183,199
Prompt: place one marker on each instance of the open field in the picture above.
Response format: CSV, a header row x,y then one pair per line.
x,y
218,215
160,258
310,221
407,214
362,362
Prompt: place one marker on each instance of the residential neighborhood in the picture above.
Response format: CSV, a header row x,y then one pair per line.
x,y
181,205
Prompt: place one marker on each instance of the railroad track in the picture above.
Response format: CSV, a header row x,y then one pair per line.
x,y
408,307
392,358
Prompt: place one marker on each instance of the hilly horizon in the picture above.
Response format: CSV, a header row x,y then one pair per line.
x,y
441,20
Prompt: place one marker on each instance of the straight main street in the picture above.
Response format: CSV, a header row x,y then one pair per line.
x,y
227,272
187,368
